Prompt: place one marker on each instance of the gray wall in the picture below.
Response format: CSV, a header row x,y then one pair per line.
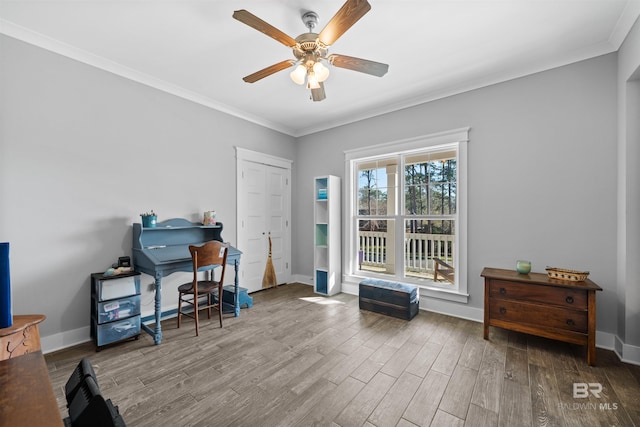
x,y
542,172
83,152
629,196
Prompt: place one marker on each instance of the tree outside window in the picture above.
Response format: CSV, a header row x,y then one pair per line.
x,y
428,213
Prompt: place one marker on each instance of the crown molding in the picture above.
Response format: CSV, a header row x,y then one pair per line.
x,y
479,83
628,17
623,26
40,40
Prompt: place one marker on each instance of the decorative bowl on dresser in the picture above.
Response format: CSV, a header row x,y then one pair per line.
x,y
539,305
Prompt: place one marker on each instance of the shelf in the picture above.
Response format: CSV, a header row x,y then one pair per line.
x,y
321,235
168,227
326,237
322,191
321,260
321,213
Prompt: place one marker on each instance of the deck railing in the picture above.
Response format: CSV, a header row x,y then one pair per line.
x,y
419,250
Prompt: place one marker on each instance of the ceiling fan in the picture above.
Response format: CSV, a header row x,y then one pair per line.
x,y
312,49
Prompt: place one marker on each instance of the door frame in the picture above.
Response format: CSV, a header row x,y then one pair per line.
x,y
242,155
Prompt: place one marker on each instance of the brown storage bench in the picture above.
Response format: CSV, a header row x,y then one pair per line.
x,y
391,298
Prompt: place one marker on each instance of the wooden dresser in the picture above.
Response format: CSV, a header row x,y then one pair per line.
x,y
22,337
26,393
26,396
536,304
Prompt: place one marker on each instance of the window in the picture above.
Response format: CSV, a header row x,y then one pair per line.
x,y
407,210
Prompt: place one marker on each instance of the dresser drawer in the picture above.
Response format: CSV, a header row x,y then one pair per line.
x,y
118,309
538,316
575,299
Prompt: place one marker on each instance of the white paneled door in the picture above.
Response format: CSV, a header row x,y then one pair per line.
x,y
264,206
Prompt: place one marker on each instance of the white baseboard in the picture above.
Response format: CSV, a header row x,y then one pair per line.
x,y
350,288
452,309
65,339
305,280
605,340
625,352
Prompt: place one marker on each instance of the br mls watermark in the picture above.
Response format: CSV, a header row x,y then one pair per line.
x,y
584,391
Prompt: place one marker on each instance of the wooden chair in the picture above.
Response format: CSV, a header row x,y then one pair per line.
x,y
443,269
205,258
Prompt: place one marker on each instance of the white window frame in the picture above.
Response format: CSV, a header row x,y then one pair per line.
x,y
456,137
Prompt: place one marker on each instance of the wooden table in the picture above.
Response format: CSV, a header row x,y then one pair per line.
x,y
538,305
21,337
26,394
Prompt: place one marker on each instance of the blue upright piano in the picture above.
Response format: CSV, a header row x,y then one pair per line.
x,y
164,249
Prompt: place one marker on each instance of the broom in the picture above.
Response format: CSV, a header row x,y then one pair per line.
x,y
269,279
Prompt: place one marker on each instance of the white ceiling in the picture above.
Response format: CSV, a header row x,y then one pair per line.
x,y
196,50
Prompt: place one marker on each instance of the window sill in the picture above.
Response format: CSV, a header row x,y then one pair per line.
x,y
444,294
350,286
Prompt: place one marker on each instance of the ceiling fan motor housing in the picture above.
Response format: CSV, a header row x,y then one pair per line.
x,y
308,43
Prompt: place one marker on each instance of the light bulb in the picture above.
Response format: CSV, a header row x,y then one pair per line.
x,y
312,81
299,74
320,71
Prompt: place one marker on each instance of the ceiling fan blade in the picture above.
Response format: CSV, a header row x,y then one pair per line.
x,y
356,64
266,72
264,27
318,94
349,14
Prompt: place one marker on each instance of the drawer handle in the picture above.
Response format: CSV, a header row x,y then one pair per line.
x,y
503,291
570,322
569,300
503,310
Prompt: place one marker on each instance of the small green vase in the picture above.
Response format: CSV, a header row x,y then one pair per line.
x,y
523,267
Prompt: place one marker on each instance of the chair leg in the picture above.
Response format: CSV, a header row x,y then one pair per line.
x,y
195,311
179,307
220,310
209,305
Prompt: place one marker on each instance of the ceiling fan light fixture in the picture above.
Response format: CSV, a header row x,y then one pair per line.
x,y
312,81
321,72
298,74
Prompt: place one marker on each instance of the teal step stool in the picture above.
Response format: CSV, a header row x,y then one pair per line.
x,y
243,296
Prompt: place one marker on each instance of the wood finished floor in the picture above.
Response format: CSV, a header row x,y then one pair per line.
x,y
297,359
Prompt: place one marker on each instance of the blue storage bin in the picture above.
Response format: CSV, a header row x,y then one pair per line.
x,y
321,282
118,330
118,309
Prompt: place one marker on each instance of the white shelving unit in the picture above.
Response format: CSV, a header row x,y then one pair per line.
x,y
327,263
